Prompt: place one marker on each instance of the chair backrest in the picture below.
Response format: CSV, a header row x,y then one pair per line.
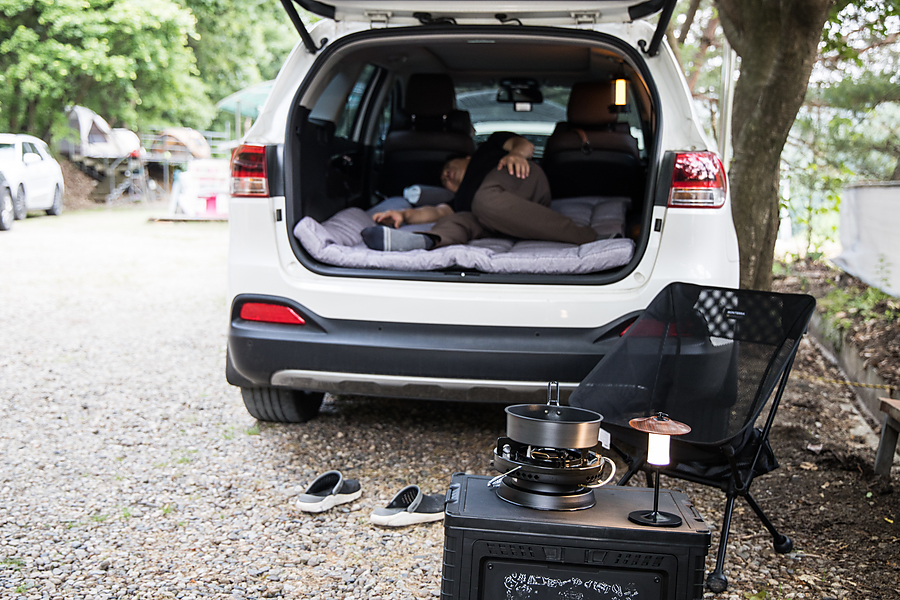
x,y
427,133
709,357
588,154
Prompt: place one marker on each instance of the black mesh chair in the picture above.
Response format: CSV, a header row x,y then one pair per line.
x,y
712,358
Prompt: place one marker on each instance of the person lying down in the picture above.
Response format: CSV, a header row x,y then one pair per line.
x,y
496,190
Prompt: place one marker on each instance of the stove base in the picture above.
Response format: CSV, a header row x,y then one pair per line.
x,y
579,499
494,550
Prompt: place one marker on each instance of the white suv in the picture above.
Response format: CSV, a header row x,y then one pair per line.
x,y
361,110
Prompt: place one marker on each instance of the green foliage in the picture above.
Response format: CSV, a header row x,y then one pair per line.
x,y
852,22
128,60
843,305
239,43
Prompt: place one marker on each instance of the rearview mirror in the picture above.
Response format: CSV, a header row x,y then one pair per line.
x,y
520,91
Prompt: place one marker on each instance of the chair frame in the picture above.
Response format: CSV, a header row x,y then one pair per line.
x,y
736,484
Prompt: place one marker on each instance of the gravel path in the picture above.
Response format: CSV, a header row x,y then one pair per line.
x,y
131,469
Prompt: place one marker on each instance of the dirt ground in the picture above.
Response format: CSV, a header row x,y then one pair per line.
x,y
826,495
845,522
78,187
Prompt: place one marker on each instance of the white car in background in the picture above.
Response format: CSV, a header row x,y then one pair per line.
x,y
32,175
6,205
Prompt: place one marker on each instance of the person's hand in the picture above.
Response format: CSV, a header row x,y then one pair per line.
x,y
391,218
516,165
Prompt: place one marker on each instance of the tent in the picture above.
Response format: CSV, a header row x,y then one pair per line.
x,y
92,137
178,144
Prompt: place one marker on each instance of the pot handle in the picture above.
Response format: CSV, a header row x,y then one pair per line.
x,y
551,387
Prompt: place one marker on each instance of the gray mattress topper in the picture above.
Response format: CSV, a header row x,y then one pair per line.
x,y
338,242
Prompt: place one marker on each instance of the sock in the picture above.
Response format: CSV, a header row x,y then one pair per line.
x,y
395,240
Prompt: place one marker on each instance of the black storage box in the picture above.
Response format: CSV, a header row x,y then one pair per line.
x,y
494,550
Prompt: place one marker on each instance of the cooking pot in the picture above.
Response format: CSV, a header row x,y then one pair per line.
x,y
551,425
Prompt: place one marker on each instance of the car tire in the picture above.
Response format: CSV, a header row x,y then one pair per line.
x,y
7,210
282,405
57,207
19,204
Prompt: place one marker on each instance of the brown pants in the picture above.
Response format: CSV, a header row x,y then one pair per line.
x,y
518,208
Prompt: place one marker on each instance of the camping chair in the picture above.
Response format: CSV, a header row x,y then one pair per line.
x,y
711,358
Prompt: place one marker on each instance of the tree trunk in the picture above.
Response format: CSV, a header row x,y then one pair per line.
x,y
777,41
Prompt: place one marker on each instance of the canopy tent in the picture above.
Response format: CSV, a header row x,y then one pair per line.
x,y
248,101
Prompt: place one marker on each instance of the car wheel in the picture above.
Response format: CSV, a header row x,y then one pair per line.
x,y
19,204
7,211
282,405
57,207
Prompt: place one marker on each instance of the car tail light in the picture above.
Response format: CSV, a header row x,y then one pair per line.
x,y
248,172
698,181
271,313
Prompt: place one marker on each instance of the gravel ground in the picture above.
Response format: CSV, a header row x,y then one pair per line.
x,y
131,469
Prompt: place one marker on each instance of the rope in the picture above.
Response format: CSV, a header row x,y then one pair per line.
x,y
874,386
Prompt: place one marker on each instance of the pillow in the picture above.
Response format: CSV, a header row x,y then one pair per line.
x,y
427,195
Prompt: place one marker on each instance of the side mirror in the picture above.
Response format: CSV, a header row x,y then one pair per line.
x,y
31,158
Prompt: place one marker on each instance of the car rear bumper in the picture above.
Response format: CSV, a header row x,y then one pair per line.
x,y
439,362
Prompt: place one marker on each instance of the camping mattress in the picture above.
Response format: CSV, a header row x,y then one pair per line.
x,y
338,242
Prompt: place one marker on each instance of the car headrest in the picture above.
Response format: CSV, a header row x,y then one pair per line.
x,y
589,104
429,95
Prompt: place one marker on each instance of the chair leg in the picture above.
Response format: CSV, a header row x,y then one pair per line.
x,y
635,466
783,544
716,581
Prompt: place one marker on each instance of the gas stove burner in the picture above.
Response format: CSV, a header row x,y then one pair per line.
x,y
546,478
557,458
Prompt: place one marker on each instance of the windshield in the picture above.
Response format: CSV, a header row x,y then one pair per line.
x,y
533,121
7,151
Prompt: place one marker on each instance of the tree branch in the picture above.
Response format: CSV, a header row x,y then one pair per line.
x,y
688,21
706,42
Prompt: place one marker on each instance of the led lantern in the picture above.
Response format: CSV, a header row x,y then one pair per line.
x,y
659,428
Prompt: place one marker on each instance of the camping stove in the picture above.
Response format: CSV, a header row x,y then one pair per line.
x,y
546,478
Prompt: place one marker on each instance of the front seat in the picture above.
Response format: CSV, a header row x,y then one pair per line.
x,y
427,133
589,155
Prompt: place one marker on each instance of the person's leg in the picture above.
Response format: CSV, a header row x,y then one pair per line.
x,y
388,239
520,208
457,228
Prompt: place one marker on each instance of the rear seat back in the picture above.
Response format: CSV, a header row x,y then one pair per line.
x,y
590,154
429,132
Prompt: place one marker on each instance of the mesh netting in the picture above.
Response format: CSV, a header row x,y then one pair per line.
x,y
708,357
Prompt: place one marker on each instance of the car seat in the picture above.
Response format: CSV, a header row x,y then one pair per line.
x,y
591,154
424,135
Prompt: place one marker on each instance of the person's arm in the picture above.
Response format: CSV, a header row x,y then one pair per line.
x,y
519,146
520,151
412,216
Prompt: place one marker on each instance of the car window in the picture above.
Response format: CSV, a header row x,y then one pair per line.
x,y
29,148
345,125
7,151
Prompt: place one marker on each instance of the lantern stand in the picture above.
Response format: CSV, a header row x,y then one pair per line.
x,y
659,427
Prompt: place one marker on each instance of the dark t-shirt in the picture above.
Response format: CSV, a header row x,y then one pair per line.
x,y
483,161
